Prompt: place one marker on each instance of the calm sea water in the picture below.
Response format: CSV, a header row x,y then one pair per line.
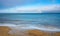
x,y
47,19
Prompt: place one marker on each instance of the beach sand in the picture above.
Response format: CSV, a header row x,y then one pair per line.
x,y
4,32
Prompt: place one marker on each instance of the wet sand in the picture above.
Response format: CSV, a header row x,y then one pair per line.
x,y
4,32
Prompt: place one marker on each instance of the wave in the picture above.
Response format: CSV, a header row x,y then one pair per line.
x,y
31,27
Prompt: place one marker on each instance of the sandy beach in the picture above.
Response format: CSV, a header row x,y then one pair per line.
x,y
4,31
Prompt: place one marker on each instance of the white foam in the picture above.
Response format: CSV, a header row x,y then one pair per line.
x,y
31,27
7,24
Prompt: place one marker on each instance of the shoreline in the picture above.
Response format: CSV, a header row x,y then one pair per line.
x,y
31,27
4,32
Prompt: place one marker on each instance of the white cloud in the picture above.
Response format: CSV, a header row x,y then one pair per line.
x,y
31,9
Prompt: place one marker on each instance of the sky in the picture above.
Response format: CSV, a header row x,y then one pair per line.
x,y
28,6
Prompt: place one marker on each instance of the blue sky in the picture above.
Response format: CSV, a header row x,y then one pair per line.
x,y
8,4
12,3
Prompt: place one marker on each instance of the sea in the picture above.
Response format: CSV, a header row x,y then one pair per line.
x,y
45,19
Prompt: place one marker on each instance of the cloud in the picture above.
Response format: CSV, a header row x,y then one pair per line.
x,y
32,9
